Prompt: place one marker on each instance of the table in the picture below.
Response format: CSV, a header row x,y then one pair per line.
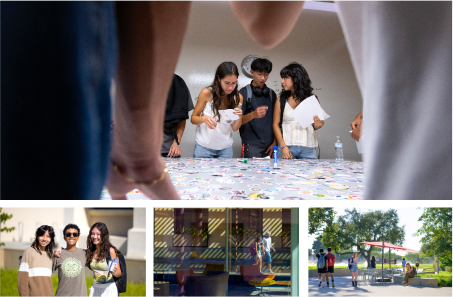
x,y
233,179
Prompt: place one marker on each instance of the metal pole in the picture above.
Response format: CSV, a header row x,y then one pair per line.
x,y
294,251
382,271
227,243
390,259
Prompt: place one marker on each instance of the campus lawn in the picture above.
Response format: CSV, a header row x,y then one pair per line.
x,y
314,267
443,278
8,284
426,267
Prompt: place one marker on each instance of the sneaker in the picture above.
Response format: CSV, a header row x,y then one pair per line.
x,y
270,271
333,285
319,285
322,286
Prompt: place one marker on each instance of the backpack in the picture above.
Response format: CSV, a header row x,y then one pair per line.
x,y
349,265
253,249
121,282
321,261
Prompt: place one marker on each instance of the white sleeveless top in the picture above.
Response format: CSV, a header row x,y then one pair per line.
x,y
217,139
294,134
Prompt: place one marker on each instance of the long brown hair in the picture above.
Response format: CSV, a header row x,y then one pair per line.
x,y
224,69
105,244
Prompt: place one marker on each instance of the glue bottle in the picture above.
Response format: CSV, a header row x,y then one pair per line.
x,y
275,157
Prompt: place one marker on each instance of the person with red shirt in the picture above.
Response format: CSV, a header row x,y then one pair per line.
x,y
330,264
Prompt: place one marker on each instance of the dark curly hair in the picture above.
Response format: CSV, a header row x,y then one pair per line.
x,y
301,81
105,244
71,226
224,69
40,232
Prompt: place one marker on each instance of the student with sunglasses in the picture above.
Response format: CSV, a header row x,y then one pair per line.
x,y
70,265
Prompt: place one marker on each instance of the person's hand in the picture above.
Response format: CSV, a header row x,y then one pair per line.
x,y
286,153
356,132
175,150
356,122
260,112
114,270
317,122
57,252
210,122
270,149
118,185
238,111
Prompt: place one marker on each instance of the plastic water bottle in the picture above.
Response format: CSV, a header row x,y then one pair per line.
x,y
338,149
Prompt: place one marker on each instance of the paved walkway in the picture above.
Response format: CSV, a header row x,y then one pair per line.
x,y
343,287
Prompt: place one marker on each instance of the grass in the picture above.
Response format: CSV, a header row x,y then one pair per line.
x,y
8,284
443,278
426,267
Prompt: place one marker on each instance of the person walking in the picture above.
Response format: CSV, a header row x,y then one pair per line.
x,y
403,263
322,267
353,268
330,265
267,246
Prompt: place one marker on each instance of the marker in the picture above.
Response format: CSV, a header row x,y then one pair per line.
x,y
242,160
275,156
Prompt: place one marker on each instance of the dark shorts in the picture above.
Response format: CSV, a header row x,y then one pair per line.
x,y
251,151
330,269
323,270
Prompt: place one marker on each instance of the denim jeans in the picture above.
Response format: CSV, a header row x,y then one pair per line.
x,y
204,152
58,61
299,152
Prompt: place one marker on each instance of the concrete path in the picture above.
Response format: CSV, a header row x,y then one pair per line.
x,y
343,287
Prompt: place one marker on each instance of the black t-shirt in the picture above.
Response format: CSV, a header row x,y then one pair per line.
x,y
258,132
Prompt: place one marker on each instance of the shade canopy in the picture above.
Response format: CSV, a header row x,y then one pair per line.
x,y
383,244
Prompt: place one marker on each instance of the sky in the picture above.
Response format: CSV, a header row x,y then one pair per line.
x,y
408,218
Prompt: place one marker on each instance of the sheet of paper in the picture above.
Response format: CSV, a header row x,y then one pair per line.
x,y
307,109
359,144
228,114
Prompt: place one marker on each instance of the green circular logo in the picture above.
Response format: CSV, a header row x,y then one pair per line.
x,y
71,267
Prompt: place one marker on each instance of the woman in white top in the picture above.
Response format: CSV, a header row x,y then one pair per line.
x,y
294,141
214,133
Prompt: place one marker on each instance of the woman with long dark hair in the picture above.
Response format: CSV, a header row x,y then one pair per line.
x,y
34,278
294,141
214,133
258,251
98,245
373,262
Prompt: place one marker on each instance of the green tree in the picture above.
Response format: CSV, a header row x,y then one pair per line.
x,y
318,218
317,244
436,232
355,227
3,218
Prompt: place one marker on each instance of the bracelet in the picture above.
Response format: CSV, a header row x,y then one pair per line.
x,y
147,183
282,147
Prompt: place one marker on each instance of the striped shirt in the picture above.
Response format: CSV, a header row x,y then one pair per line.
x,y
34,277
